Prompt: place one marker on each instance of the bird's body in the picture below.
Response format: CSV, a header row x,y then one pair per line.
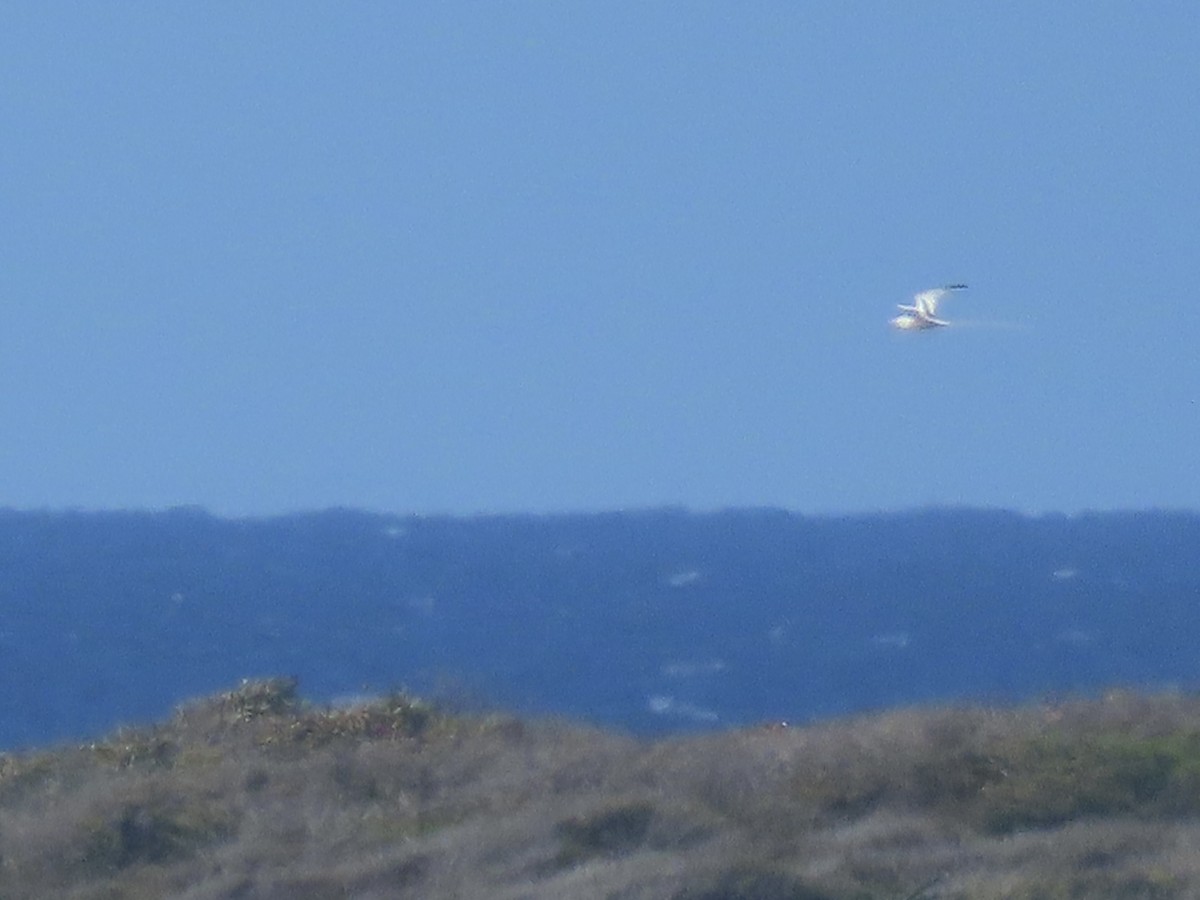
x,y
923,312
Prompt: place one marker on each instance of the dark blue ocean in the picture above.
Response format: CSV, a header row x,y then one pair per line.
x,y
651,621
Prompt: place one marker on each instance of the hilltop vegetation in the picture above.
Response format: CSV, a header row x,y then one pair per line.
x,y
257,794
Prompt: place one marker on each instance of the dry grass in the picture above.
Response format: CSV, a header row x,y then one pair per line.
x,y
254,794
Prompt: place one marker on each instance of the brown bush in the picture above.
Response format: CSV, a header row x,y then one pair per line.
x,y
256,794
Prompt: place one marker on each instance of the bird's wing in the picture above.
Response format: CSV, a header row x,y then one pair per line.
x,y
927,301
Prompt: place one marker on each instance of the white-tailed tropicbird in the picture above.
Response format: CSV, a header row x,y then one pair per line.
x,y
923,312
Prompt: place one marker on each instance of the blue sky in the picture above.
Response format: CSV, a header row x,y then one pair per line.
x,y
538,256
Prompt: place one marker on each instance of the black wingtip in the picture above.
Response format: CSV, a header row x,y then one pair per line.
x,y
955,287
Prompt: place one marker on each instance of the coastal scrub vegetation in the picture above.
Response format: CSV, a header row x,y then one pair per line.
x,y
257,794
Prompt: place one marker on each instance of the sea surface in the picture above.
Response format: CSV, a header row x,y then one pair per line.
x,y
650,621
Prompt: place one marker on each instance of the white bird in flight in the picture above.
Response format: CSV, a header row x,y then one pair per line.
x,y
923,312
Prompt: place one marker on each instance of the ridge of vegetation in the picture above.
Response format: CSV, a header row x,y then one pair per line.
x,y
255,793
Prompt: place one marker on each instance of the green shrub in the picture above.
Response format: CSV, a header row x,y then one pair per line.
x,y
393,717
609,832
1055,778
136,747
752,883
254,699
1107,885
955,778
20,773
156,829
